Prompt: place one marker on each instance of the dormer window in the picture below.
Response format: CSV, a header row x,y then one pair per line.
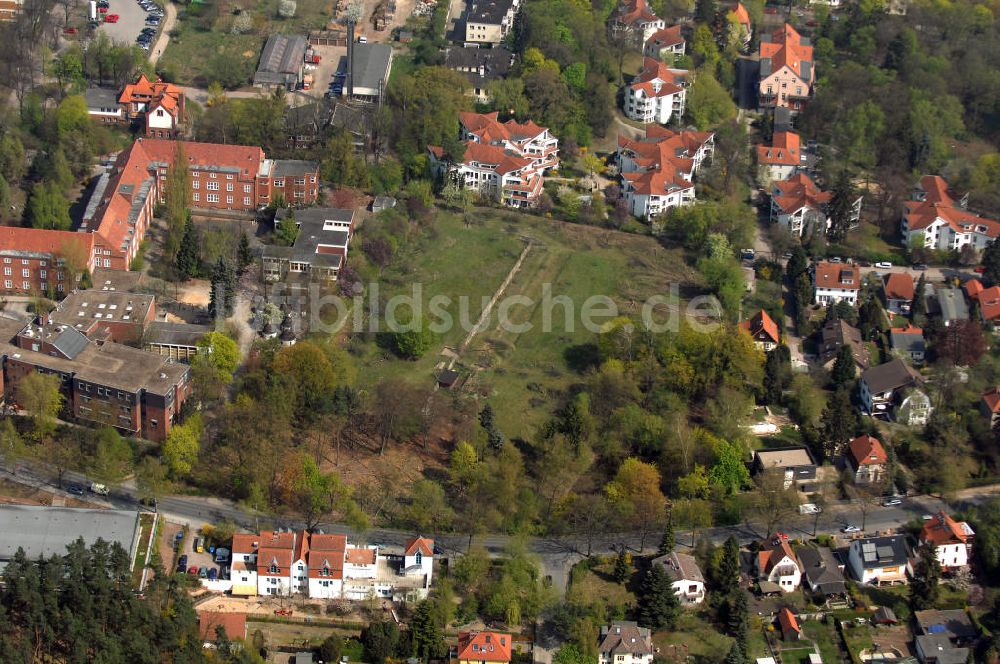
x,y
273,569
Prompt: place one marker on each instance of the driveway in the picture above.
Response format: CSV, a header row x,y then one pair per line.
x,y
131,21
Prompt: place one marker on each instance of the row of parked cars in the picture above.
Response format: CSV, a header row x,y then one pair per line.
x,y
154,14
221,556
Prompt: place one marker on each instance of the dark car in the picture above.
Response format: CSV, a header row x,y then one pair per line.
x,y
182,563
148,31
203,572
75,489
438,551
213,574
920,267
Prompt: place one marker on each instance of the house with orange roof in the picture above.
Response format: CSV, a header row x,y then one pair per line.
x,y
777,567
989,405
952,540
763,330
936,218
789,625
800,206
657,93
741,17
159,105
503,161
868,460
483,647
665,43
657,170
326,560
275,555
972,288
37,260
836,282
636,18
232,624
787,70
898,290
418,557
781,159
989,307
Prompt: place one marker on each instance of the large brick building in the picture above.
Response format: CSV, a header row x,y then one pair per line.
x,y
43,261
138,393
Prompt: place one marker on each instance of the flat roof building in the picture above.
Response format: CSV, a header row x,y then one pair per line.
x,y
320,248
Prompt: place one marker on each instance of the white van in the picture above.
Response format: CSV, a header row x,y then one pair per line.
x,y
99,489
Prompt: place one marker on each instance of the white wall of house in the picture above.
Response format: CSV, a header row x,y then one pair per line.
x,y
648,206
834,295
689,591
658,109
418,564
160,119
953,555
325,588
273,585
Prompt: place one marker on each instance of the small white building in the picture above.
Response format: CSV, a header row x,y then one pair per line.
x,y
879,560
951,539
777,565
688,581
624,642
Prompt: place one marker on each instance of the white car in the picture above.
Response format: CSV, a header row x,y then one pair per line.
x,y
884,265
810,508
891,502
850,529
99,489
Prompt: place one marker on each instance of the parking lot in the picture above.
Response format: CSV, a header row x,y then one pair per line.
x,y
131,21
170,556
323,73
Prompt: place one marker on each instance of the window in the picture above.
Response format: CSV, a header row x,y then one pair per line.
x,y
6,260
300,181
59,287
195,174
229,200
246,189
229,176
195,184
8,284
24,261
273,569
196,196
153,423
246,202
212,186
42,273
211,175
229,186
279,183
7,271
43,264
313,179
25,285
212,198
25,272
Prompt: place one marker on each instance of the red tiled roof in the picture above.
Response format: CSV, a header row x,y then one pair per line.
x,y
742,15
972,288
301,547
667,37
899,286
838,275
939,204
785,150
504,161
44,241
942,529
772,553
867,451
788,621
786,49
359,556
989,302
245,542
436,150
424,545
484,646
664,158
653,73
797,192
327,551
991,398
246,158
909,329
233,624
142,90
489,129
634,12
761,322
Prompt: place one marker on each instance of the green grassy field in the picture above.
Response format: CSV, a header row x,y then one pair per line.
x,y
694,638
516,369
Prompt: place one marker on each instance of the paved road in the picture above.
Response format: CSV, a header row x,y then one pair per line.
x,y
166,26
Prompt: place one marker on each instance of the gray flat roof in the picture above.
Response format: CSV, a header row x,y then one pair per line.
x,y
47,531
371,65
175,334
101,98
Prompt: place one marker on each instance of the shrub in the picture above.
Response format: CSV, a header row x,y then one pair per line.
x,y
286,8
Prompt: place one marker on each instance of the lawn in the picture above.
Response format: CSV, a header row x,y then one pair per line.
x,y
825,636
518,368
696,638
145,536
593,582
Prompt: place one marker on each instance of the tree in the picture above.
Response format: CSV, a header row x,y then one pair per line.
x,y
729,568
112,460
622,567
991,264
222,298
379,640
47,207
177,201
244,255
317,496
636,493
843,371
180,449
410,340
708,103
658,605
425,630
487,420
189,253
704,11
961,343
286,231
729,472
150,478
735,655
925,585
773,502
842,211
39,394
330,649
839,423
738,623
429,509
777,374
667,542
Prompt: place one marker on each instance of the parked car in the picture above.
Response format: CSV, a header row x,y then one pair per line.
x,y
182,563
69,31
202,572
891,502
979,270
111,18
193,570
850,529
99,489
152,20
835,259
222,555
884,265
809,508
75,489
102,10
213,574
199,544
747,254
920,267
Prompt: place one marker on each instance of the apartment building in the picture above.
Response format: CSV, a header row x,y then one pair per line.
x,y
942,221
43,261
636,18
787,70
526,139
327,566
138,393
836,282
657,93
781,159
489,21
665,43
801,207
115,316
657,170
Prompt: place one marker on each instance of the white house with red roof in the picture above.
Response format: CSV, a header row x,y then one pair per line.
x,y
782,159
275,555
868,459
799,206
899,290
657,170
777,566
635,17
836,282
505,161
159,104
941,221
657,93
741,17
763,330
787,69
666,42
326,565
952,540
418,558
483,647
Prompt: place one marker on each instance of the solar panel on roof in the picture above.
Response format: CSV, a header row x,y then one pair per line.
x,y
884,552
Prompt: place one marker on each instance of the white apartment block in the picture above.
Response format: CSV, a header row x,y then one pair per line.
x,y
942,221
657,94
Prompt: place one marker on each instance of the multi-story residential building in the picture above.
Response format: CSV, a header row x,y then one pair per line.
x,y
665,44
836,282
782,159
686,578
941,221
763,330
657,170
879,560
106,315
952,540
327,566
483,648
657,93
636,18
868,460
801,207
624,642
505,161
138,393
489,21
159,105
892,390
36,260
320,248
777,566
787,70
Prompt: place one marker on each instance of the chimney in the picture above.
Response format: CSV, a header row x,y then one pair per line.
x,y
350,58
